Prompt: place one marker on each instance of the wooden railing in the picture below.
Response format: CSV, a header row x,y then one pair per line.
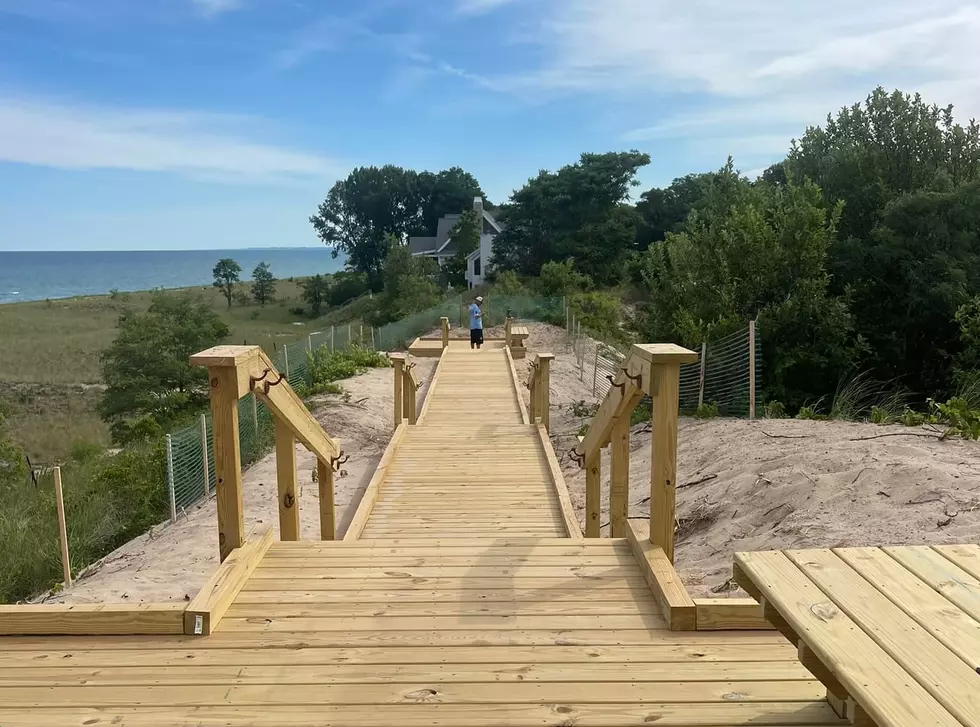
x,y
405,400
539,384
652,370
234,371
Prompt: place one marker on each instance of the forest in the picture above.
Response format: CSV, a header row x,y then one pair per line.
x,y
858,254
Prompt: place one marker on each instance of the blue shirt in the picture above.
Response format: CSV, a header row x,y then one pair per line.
x,y
476,317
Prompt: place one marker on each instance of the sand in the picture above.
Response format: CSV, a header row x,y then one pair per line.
x,y
172,562
769,484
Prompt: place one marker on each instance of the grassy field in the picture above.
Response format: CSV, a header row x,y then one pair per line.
x,y
49,357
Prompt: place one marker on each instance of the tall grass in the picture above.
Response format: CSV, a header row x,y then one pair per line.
x,y
859,396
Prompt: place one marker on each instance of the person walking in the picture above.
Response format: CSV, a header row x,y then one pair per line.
x,y
476,323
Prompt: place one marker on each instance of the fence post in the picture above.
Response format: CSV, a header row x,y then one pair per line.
x,y
507,325
170,480
204,456
445,331
348,336
595,369
255,416
309,341
619,477
372,339
704,353
63,528
331,338
360,334
752,369
285,358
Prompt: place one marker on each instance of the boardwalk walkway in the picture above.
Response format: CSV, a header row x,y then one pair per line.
x,y
471,467
468,601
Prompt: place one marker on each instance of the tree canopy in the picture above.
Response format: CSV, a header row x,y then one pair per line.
x,y
150,384
581,212
374,206
226,273
263,284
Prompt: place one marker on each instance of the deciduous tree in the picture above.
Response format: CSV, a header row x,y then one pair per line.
x,y
263,284
226,273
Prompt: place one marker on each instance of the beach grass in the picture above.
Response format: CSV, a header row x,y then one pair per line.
x,y
49,356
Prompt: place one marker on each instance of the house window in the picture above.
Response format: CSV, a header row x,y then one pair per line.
x,y
476,266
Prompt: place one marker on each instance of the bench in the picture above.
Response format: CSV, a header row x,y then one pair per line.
x,y
891,632
518,335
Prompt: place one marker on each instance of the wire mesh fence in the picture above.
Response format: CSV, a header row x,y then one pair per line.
x,y
723,375
190,454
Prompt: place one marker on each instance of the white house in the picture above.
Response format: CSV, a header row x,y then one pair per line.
x,y
441,247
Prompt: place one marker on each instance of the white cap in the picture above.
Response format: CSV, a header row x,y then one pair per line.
x,y
479,299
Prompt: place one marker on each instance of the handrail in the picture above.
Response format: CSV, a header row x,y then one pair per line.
x,y
539,384
653,370
234,371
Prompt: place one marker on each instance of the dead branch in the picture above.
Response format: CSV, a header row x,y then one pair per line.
x,y
784,436
897,434
701,481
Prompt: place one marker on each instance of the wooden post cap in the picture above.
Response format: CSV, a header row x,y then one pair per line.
x,y
230,356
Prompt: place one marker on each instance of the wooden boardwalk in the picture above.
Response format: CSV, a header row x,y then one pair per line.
x,y
472,466
469,600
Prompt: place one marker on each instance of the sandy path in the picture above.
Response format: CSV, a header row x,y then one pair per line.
x,y
172,562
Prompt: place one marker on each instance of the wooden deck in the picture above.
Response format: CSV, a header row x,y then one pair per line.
x,y
894,633
469,599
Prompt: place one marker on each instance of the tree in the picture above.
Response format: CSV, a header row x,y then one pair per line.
x,y
373,206
150,384
578,212
346,286
226,274
665,210
466,237
755,250
315,292
408,286
263,284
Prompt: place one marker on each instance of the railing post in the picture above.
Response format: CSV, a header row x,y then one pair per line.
x,y
663,475
619,474
398,361
408,397
170,480
445,331
59,497
204,456
543,389
227,459
593,496
286,482
324,481
752,369
507,324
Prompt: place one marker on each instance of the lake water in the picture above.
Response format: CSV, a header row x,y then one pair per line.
x,y
40,275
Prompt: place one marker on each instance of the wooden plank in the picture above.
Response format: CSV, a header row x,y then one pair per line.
x,y
654,653
91,619
867,673
679,610
954,628
561,490
437,559
410,398
544,674
286,482
189,695
593,495
723,614
663,353
398,362
581,714
966,557
618,403
373,491
324,481
433,384
940,672
340,571
515,382
619,477
213,600
663,465
285,607
459,622
227,460
418,541
958,586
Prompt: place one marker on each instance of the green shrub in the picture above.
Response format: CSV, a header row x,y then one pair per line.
x,y
881,416
642,413
600,313
806,412
582,409
859,396
706,411
960,419
342,364
775,410
911,418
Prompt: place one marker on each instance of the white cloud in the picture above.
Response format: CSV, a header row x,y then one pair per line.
x,y
211,8
64,136
758,69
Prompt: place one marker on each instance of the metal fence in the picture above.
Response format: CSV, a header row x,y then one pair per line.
x,y
190,451
724,375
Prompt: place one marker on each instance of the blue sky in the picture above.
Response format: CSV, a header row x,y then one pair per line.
x,y
154,124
